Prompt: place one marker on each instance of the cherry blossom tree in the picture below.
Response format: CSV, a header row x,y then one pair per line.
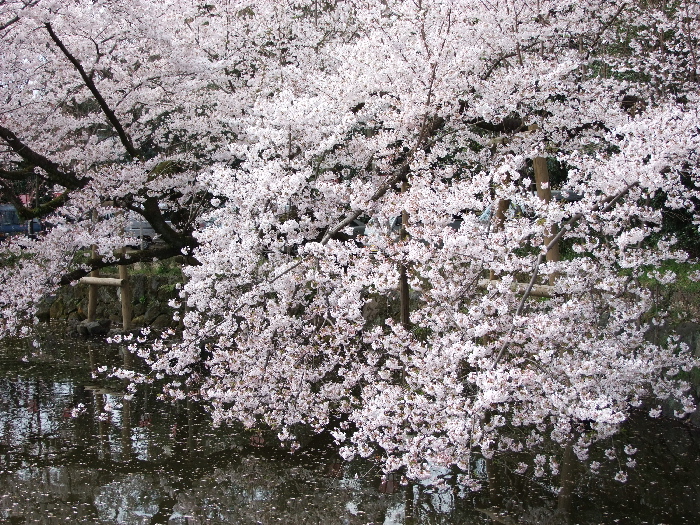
x,y
110,111
270,127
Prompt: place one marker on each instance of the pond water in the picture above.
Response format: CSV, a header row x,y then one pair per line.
x,y
74,450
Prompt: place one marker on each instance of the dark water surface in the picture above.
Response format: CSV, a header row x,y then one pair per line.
x,y
74,450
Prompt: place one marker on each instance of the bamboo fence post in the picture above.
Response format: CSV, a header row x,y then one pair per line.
x,y
92,291
125,295
539,164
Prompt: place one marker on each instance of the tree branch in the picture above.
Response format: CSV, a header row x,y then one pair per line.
x,y
67,179
505,56
152,213
16,175
97,263
429,128
9,23
123,136
32,213
10,195
44,209
604,29
16,18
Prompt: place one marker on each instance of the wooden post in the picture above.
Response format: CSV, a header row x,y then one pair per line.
x,y
539,164
94,281
102,281
92,291
125,295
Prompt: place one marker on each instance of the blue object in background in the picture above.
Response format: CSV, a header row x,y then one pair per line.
x,y
11,224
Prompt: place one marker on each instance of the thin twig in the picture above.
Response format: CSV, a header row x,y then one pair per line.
x,y
604,29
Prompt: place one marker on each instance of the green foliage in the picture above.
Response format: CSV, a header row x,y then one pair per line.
x,y
421,333
678,222
168,267
165,268
683,281
169,288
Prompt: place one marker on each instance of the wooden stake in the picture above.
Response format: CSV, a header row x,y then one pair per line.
x,y
125,295
92,292
545,194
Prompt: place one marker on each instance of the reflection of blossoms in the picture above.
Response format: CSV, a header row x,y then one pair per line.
x,y
581,452
78,410
540,461
554,465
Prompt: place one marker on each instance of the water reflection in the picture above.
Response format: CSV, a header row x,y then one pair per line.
x,y
75,450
